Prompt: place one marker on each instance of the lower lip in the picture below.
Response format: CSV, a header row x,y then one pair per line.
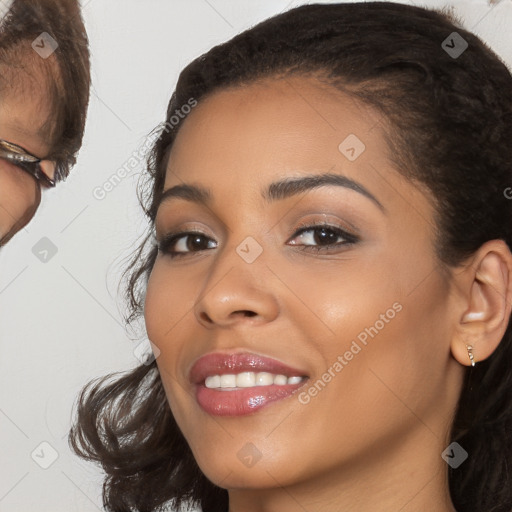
x,y
242,401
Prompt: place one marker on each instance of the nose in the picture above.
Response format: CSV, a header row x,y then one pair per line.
x,y
237,292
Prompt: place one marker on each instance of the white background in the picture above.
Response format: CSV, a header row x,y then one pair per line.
x,y
61,322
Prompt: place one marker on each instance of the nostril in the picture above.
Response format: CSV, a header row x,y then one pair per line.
x,y
245,312
241,313
205,318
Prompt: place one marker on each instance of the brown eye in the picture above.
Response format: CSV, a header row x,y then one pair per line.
x,y
180,244
323,237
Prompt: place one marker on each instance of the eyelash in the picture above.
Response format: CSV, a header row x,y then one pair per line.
x,y
170,239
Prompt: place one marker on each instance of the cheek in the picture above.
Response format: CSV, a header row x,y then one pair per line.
x,y
19,197
169,312
336,302
390,333
162,313
153,306
163,303
399,373
377,375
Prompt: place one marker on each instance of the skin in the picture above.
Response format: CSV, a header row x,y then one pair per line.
x,y
23,115
372,438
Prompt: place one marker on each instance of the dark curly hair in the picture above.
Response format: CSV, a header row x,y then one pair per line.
x,y
449,127
67,70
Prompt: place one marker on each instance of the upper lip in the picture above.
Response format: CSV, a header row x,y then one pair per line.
x,y
218,363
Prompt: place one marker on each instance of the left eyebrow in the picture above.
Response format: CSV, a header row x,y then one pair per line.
x,y
276,191
293,186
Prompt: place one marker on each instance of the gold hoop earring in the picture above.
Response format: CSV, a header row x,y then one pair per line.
x,y
470,354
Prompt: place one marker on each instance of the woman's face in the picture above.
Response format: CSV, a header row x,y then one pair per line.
x,y
365,320
22,116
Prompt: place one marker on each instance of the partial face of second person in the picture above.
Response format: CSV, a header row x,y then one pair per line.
x,y
301,307
24,110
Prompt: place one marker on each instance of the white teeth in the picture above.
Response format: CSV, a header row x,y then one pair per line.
x,y
228,381
213,381
245,380
264,379
280,380
249,380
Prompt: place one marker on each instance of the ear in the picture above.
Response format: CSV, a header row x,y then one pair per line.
x,y
486,284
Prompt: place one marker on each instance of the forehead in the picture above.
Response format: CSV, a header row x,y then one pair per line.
x,y
275,124
26,106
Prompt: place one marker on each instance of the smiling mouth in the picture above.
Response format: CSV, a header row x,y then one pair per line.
x,y
242,383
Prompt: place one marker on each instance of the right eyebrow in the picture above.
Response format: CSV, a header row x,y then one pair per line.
x,y
292,186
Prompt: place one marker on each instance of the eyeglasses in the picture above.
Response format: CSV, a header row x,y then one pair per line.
x,y
44,171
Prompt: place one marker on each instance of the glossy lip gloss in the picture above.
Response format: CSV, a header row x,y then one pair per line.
x,y
240,401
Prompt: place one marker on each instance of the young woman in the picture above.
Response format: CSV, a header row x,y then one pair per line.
x,y
44,93
327,278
